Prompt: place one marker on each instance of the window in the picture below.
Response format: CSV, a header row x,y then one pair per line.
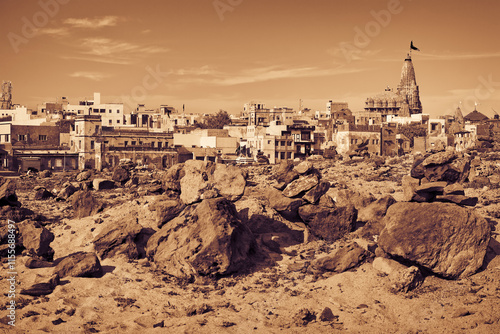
x,y
133,143
152,144
282,155
77,129
110,122
282,143
91,144
289,143
117,111
117,121
97,128
59,163
125,143
7,138
102,111
159,144
269,142
21,137
42,137
110,111
79,144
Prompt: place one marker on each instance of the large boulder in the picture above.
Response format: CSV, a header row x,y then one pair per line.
x,y
229,181
448,239
345,197
440,158
120,175
304,167
300,185
85,204
329,224
79,264
125,237
36,239
171,179
8,192
453,171
206,239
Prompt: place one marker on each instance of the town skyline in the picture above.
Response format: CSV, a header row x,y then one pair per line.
x,y
215,55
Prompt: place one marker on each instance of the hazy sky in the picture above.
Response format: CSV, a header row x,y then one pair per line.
x,y
212,55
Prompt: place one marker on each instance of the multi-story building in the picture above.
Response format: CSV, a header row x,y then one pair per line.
x,y
111,113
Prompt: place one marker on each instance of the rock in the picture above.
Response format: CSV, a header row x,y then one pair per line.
x,y
120,175
66,192
313,195
403,279
196,180
345,197
229,181
43,194
457,171
303,317
43,288
166,209
327,315
265,221
454,189
134,180
326,201
206,239
375,211
102,184
284,174
409,185
32,263
83,176
45,174
448,239
120,238
36,239
418,170
79,264
342,259
85,204
300,185
171,180
431,187
329,224
287,207
303,168
17,214
8,192
458,199
406,280
440,158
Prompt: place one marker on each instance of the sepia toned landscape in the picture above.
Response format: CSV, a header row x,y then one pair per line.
x,y
232,166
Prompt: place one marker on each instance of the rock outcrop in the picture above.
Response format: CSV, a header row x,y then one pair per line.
x,y
329,224
79,264
205,239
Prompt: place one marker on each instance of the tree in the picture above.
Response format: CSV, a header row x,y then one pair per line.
x,y
216,121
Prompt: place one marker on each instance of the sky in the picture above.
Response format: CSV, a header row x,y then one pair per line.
x,y
220,54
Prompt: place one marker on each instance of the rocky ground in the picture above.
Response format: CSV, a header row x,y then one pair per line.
x,y
309,257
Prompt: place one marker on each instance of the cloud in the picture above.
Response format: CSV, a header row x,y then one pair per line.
x,y
258,74
457,56
94,23
109,51
57,32
95,76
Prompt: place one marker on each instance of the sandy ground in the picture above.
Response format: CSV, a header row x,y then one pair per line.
x,y
131,297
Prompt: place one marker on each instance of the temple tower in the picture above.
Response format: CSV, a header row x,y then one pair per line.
x,y
408,88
